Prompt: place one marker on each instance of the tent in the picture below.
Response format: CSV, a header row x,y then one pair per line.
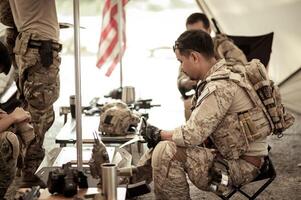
x,y
251,18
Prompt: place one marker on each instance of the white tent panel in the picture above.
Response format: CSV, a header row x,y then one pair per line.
x,y
250,18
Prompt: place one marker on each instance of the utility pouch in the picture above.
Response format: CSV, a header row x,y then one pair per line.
x,y
21,43
46,53
221,181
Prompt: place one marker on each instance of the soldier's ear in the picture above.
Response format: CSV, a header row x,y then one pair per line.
x,y
195,56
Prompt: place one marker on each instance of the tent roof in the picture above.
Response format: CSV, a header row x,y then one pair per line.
x,y
249,18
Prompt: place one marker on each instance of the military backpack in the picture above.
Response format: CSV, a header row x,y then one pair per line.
x,y
267,95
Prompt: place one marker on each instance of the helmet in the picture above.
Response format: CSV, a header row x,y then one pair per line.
x,y
118,121
117,103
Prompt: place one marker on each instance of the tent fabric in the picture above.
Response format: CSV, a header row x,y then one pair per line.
x,y
248,18
259,47
291,92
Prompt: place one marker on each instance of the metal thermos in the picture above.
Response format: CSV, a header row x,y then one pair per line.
x,y
109,181
128,94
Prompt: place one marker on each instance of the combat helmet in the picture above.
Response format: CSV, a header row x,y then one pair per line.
x,y
117,103
118,121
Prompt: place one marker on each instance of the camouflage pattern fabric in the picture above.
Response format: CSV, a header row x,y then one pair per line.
x,y
223,48
39,89
6,16
117,120
171,163
9,151
215,116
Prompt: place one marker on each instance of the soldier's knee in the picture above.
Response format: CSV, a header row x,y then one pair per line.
x,y
9,145
12,139
164,151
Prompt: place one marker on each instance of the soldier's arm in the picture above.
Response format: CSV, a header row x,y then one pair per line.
x,y
231,52
225,48
18,115
211,109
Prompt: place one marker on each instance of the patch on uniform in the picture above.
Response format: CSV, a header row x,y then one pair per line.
x,y
206,92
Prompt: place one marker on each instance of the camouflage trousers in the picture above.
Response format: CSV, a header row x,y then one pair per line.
x,y
9,151
39,89
171,164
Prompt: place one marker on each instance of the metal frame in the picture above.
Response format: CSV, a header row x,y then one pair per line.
x,y
270,175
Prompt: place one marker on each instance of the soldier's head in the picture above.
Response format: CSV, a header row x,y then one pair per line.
x,y
5,61
194,50
198,21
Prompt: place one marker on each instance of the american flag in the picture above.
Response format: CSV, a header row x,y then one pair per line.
x,y
109,50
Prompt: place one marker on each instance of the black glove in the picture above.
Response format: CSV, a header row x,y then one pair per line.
x,y
151,135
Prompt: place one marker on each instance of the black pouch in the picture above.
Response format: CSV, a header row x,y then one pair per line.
x,y
46,53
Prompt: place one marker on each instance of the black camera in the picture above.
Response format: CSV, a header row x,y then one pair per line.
x,y
65,180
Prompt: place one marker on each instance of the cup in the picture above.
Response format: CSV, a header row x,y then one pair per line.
x,y
128,94
109,180
72,106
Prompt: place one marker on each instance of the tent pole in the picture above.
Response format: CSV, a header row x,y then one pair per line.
x,y
120,24
78,112
206,10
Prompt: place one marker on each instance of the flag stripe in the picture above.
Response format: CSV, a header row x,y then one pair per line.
x,y
113,65
109,52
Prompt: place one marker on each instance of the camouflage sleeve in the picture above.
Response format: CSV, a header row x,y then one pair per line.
x,y
212,106
225,48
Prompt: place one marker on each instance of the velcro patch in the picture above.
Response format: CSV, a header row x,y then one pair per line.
x,y
206,92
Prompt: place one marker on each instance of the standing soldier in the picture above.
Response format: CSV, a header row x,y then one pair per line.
x,y
37,58
214,142
223,48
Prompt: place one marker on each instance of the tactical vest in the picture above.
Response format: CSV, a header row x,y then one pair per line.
x,y
267,94
237,130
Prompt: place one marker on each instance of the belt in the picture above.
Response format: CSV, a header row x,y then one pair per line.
x,y
257,161
38,43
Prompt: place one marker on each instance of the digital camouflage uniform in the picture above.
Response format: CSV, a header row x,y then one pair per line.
x,y
215,115
223,48
9,152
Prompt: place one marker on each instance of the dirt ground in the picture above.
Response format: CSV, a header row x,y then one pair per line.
x,y
286,157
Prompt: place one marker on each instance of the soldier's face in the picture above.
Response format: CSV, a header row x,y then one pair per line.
x,y
198,26
189,64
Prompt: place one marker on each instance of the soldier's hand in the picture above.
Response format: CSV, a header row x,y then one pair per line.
x,y
20,115
188,84
151,135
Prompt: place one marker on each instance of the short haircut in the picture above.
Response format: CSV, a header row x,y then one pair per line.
x,y
195,40
196,17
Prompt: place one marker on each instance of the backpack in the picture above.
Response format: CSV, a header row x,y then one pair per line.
x,y
268,94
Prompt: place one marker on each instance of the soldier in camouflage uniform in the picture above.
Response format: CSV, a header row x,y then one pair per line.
x,y
9,146
37,59
214,142
223,48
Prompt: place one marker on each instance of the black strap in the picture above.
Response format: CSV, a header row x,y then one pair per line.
x,y
38,43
